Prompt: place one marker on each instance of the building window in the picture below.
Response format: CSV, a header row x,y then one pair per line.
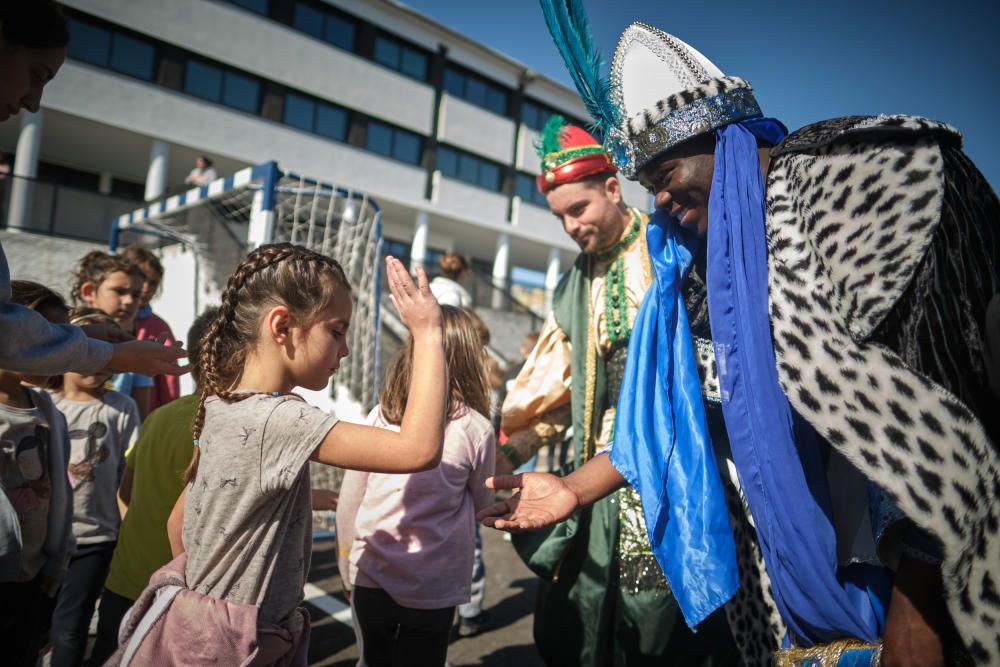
x,y
240,92
476,90
258,6
329,27
127,189
393,142
526,188
67,176
468,168
339,32
535,115
133,57
113,50
212,83
89,43
299,112
400,57
396,248
203,80
331,122
308,19
315,116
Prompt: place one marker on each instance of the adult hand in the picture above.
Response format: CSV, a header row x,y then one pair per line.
x,y
148,358
324,499
417,307
542,500
112,334
918,621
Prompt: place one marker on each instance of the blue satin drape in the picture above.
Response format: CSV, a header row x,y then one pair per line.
x,y
661,444
776,453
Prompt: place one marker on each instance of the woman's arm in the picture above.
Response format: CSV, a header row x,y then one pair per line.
x,y
417,445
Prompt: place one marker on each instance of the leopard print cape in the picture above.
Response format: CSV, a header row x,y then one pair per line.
x,y
853,207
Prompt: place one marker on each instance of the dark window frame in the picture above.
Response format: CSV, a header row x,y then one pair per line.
x,y
180,59
266,12
403,46
546,112
535,197
464,158
394,132
489,85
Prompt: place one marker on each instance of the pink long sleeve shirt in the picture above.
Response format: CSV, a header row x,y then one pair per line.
x,y
413,535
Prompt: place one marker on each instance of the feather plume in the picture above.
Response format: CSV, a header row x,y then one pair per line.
x,y
567,23
549,141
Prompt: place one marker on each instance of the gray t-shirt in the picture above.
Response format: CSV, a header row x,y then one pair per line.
x,y
100,431
248,512
24,473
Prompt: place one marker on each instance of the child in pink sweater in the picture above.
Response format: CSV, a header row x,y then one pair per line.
x,y
407,541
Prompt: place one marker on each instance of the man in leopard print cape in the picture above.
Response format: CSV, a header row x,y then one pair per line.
x,y
882,252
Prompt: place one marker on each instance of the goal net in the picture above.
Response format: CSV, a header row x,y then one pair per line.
x,y
204,233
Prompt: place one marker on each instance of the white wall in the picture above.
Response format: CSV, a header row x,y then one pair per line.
x,y
467,126
178,302
469,201
527,159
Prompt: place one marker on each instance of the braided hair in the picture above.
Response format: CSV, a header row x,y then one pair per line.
x,y
279,274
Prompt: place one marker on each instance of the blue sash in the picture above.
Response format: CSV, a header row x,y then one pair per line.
x,y
776,453
661,444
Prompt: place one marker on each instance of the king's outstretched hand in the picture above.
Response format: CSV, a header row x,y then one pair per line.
x,y
540,500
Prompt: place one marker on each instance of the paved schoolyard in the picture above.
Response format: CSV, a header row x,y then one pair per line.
x,y
510,600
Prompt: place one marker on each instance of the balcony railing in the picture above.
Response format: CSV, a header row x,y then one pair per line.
x,y
30,205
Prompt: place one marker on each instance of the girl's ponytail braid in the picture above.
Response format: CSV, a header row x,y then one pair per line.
x,y
215,381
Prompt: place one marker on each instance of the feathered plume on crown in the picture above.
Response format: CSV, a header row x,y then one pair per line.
x,y
550,140
567,22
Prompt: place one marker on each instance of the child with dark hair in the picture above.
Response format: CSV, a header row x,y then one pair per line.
x,y
102,424
113,285
148,326
36,506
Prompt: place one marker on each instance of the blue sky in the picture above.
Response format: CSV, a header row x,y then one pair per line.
x,y
807,60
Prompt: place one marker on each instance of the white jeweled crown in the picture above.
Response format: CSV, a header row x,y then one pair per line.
x,y
666,93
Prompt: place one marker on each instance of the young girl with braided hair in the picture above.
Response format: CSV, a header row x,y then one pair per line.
x,y
246,536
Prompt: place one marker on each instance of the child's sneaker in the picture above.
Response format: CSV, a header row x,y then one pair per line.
x,y
470,627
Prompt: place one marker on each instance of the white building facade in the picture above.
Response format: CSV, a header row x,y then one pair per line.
x,y
364,93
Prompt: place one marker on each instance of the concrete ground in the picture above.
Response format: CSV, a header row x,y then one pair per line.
x,y
510,600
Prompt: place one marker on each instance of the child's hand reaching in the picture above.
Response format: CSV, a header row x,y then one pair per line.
x,y
417,307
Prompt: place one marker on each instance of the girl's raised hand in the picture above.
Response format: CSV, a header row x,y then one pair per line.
x,y
417,307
